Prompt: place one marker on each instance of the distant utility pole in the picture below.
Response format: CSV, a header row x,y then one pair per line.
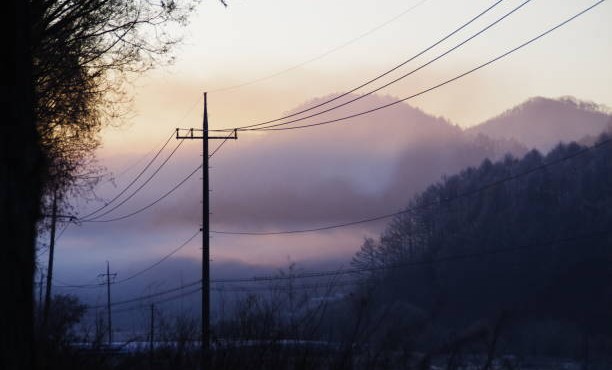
x,y
50,265
108,277
152,335
205,220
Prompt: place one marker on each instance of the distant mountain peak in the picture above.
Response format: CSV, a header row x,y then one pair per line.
x,y
542,122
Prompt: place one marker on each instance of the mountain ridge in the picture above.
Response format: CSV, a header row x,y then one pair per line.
x,y
541,123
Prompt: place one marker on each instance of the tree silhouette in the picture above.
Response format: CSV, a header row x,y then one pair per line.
x,y
535,247
82,54
62,80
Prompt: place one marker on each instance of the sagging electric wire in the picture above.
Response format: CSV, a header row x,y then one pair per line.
x,y
446,82
136,274
431,204
354,271
160,261
142,209
133,181
464,25
137,189
231,134
396,80
326,53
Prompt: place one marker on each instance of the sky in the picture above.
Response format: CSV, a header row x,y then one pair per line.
x,y
261,59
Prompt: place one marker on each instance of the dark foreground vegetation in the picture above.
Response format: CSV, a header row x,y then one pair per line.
x,y
504,266
62,78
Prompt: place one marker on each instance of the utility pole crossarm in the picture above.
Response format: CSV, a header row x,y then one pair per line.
x,y
188,133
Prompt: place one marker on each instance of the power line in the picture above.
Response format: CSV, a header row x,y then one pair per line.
x,y
327,285
339,272
431,61
328,52
233,134
141,159
152,203
412,96
62,232
160,301
149,296
42,253
446,82
455,257
133,181
377,77
136,274
411,209
139,188
64,284
490,185
174,251
76,286
129,167
195,104
126,169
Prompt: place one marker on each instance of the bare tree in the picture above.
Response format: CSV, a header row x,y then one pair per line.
x,y
63,79
83,53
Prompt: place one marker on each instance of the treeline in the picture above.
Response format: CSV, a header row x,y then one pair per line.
x,y
525,244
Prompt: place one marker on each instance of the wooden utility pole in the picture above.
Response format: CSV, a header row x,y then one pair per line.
x,y
47,306
108,277
205,137
152,336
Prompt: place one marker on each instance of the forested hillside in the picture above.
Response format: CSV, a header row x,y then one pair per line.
x,y
525,243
